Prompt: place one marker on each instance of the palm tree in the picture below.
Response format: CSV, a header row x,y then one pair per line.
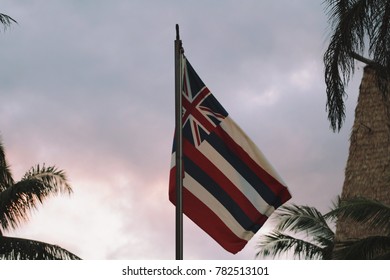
x,y
17,199
307,234
6,20
368,213
361,28
354,23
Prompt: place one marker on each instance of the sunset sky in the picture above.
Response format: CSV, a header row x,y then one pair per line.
x,y
88,86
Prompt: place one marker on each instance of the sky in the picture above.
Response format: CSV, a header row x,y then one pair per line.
x,y
88,86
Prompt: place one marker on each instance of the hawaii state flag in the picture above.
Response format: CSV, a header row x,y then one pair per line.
x,y
229,187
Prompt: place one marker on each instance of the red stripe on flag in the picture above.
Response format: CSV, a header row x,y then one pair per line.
x,y
206,219
233,192
273,184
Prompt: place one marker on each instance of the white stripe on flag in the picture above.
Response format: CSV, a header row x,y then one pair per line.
x,y
173,160
247,189
240,137
215,206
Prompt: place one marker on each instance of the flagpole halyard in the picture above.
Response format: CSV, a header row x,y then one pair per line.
x,y
179,148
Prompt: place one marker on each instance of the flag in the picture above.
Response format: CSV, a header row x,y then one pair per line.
x,y
229,187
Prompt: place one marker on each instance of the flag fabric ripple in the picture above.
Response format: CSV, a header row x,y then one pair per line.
x,y
229,187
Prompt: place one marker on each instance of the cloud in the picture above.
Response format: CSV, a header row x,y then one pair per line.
x,y
88,86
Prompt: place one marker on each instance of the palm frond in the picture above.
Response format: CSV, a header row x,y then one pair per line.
x,y
380,35
372,247
17,200
6,20
326,243
301,230
306,233
363,210
276,243
6,179
26,249
348,21
53,179
307,219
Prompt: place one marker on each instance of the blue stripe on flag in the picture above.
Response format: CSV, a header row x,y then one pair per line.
x,y
214,189
263,190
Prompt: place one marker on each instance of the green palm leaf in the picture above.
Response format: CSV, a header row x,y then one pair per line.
x,y
17,199
26,249
305,232
5,173
380,33
348,37
301,230
296,218
38,183
363,210
276,243
354,24
372,247
53,179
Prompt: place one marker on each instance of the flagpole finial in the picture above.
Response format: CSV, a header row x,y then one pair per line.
x,y
178,41
177,32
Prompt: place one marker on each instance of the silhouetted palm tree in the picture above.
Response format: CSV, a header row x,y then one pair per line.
x,y
307,234
354,23
16,201
368,213
361,29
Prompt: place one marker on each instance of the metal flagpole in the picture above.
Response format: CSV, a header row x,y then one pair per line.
x,y
179,148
